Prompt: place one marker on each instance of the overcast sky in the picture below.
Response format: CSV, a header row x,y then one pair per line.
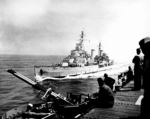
x,y
53,26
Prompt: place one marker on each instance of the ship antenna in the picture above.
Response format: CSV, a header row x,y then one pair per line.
x,y
82,34
81,39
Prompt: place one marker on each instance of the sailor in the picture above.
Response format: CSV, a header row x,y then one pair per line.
x,y
129,74
109,81
41,72
137,60
104,97
145,47
119,82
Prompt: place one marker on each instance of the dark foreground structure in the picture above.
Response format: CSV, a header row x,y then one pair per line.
x,y
124,108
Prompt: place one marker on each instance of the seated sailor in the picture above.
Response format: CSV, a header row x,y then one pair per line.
x,y
105,96
109,81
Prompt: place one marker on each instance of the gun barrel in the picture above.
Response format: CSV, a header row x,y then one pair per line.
x,y
22,77
36,85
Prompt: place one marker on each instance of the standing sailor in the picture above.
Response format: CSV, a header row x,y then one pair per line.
x,y
145,46
137,60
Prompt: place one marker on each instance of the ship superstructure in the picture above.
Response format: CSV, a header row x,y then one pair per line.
x,y
78,56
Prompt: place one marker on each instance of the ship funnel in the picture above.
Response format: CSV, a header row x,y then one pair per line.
x,y
92,53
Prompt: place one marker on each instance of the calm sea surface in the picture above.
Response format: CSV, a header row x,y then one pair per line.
x,y
14,92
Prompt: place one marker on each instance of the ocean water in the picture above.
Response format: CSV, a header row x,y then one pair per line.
x,y
14,92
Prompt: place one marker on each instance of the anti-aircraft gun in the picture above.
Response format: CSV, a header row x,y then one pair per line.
x,y
54,106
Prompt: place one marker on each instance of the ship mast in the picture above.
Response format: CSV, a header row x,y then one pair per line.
x,y
100,50
81,39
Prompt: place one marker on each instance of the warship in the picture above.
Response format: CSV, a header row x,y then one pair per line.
x,y
76,65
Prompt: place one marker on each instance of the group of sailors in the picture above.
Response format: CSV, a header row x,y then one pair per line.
x,y
140,75
122,79
104,97
108,85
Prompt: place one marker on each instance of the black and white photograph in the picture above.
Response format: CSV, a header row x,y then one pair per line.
x,y
74,59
